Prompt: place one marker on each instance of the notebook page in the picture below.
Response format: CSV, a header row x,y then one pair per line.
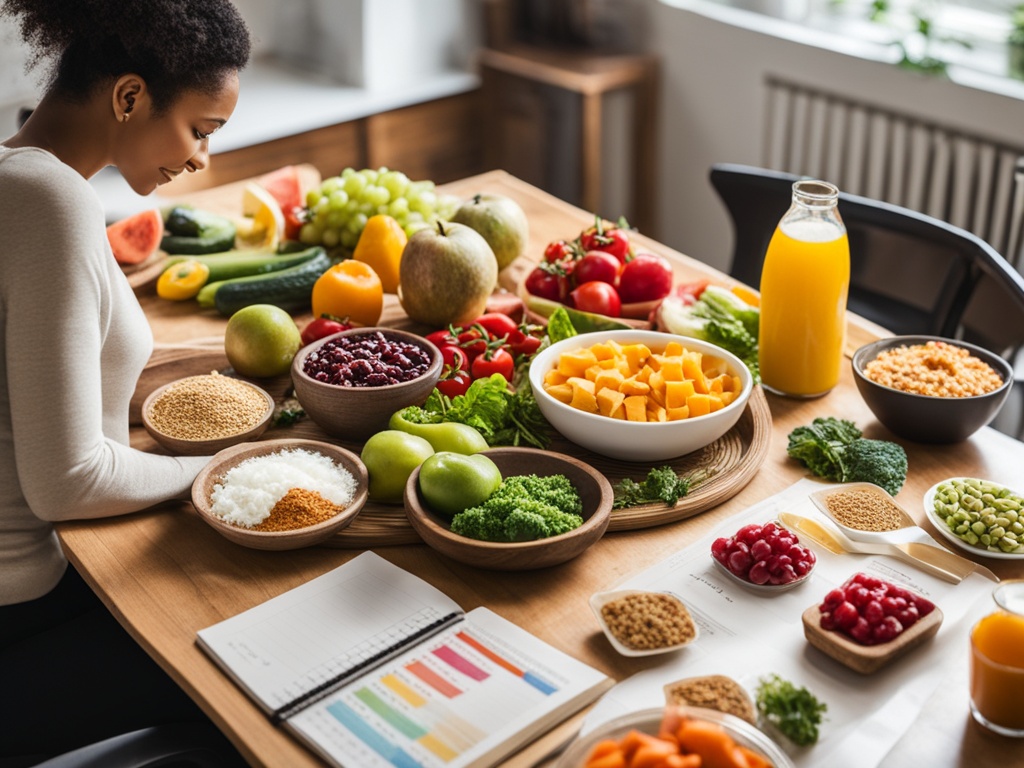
x,y
293,643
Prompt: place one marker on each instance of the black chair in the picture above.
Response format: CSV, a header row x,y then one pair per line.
x,y
182,745
909,272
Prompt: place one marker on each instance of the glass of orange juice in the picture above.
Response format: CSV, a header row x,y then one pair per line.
x,y
804,284
997,663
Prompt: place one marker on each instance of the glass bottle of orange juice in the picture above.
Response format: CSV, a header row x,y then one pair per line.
x,y
997,663
804,284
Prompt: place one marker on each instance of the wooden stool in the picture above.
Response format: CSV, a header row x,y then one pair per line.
x,y
591,76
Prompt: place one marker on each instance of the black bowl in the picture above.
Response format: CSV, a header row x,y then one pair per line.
x,y
926,419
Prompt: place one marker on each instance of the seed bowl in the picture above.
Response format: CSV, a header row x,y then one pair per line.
x,y
208,446
354,413
594,489
924,418
631,440
214,472
599,600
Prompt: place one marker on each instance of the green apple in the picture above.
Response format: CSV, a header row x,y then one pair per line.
x,y
500,221
260,341
445,436
453,482
448,272
390,457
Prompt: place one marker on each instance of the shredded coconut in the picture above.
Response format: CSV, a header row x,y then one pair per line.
x,y
248,492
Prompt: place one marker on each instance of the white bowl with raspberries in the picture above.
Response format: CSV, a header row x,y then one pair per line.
x,y
764,557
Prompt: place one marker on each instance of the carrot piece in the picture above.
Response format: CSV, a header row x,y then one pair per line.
x,y
681,761
671,719
653,753
633,741
715,747
610,760
604,747
754,759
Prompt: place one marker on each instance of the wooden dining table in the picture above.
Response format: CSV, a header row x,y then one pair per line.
x,y
165,574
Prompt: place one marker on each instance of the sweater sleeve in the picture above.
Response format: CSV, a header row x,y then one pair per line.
x,y
57,314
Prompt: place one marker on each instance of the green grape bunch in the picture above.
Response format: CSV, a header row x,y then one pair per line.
x,y
338,210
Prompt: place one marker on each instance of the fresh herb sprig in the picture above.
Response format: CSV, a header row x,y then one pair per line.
x,y
661,484
796,712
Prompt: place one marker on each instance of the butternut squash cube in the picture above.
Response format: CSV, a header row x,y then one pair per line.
x,y
644,374
633,387
583,398
693,371
716,402
655,412
636,355
561,392
657,396
604,351
673,348
585,384
656,381
609,403
672,368
737,384
699,404
677,392
677,414
554,376
592,371
727,397
609,379
636,408
576,362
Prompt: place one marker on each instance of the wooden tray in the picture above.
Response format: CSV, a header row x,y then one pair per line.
x,y
734,458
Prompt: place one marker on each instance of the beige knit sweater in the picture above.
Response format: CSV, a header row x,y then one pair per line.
x,y
74,341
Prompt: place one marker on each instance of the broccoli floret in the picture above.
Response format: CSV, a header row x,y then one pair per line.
x,y
834,449
524,508
875,461
819,444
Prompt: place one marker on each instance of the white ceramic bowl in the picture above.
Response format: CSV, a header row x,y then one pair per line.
x,y
638,441
600,599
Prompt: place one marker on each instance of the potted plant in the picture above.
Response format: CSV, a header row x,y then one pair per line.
x,y
1015,43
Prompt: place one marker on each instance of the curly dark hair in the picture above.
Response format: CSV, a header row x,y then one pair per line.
x,y
175,45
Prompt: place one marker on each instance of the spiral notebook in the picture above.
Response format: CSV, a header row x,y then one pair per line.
x,y
371,667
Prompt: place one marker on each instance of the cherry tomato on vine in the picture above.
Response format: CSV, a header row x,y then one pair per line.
x,y
320,327
547,285
646,277
598,297
496,324
455,384
453,358
608,238
472,342
558,250
597,265
496,360
521,343
441,338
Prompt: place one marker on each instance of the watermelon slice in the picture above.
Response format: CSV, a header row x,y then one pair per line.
x,y
136,238
285,185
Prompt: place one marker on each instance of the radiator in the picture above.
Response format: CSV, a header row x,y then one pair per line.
x,y
966,179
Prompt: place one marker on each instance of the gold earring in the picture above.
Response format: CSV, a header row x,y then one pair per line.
x,y
124,117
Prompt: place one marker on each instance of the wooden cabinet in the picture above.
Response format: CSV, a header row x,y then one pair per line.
x,y
437,140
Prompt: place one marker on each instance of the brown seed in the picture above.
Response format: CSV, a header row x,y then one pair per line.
x,y
648,620
207,407
712,692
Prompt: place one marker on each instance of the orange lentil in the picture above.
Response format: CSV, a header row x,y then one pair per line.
x,y
935,369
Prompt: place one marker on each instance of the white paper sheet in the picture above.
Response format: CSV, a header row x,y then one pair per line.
x,y
747,636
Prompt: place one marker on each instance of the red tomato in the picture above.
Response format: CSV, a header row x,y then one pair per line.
x,y
520,343
646,277
442,338
597,265
608,238
598,297
497,360
545,284
558,250
321,327
472,342
456,384
497,325
453,358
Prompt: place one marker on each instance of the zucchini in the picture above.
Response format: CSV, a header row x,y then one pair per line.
x,y
583,322
191,231
243,263
289,289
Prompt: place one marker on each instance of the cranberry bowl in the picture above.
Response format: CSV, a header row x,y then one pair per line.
x,y
351,382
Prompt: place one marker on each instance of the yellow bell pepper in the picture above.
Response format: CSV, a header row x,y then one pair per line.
x,y
381,245
182,280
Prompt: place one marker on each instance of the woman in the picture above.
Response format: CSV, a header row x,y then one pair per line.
x,y
140,86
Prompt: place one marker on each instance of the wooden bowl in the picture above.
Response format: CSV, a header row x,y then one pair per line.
x,y
355,413
594,489
867,658
184,447
213,473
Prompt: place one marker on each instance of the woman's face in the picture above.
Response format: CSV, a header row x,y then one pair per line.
x,y
156,148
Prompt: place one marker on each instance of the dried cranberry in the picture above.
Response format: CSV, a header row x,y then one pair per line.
x,y
366,360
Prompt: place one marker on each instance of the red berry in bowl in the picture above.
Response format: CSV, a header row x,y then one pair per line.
x,y
764,555
872,611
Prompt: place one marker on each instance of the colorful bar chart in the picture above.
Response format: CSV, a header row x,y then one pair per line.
x,y
420,710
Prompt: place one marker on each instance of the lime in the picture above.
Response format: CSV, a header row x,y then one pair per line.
x,y
261,340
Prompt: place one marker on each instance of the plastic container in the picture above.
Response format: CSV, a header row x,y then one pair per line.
x,y
804,286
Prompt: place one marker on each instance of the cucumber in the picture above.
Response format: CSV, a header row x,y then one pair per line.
x,y
289,289
192,231
234,264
